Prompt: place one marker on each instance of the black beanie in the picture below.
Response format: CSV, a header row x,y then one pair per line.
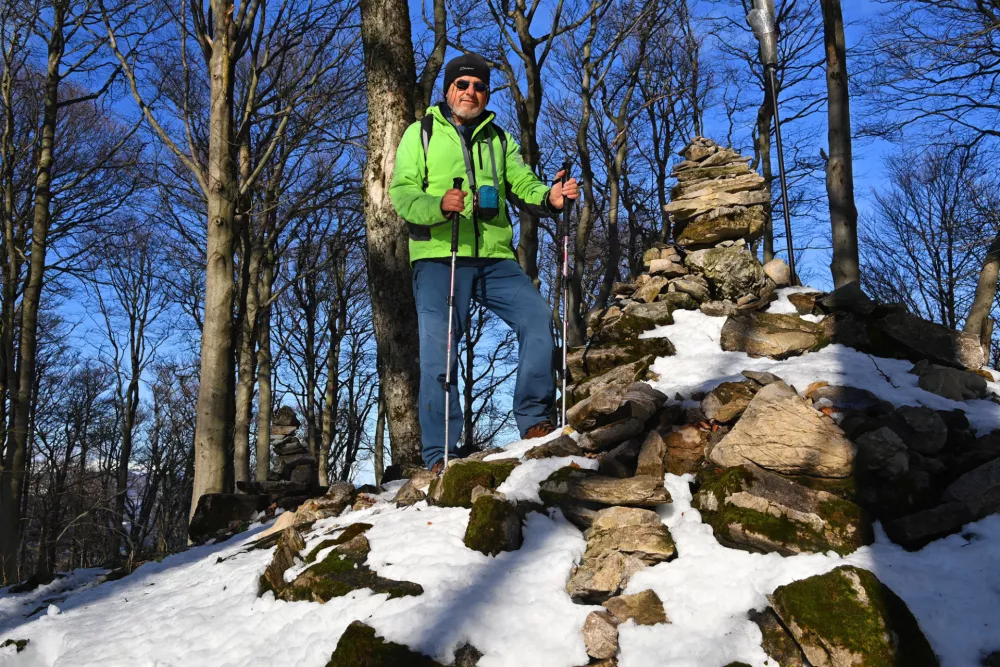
x,y
469,64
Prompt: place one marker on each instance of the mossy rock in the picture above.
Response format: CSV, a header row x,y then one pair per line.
x,y
776,641
848,617
359,647
348,534
454,488
494,526
590,361
341,572
754,509
20,644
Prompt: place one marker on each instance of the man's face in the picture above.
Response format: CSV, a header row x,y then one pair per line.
x,y
469,103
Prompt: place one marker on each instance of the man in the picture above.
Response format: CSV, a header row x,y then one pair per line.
x,y
462,141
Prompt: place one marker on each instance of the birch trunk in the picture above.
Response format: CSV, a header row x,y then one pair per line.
x,y
390,78
978,322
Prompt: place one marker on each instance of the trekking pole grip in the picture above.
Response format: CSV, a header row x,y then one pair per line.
x,y
457,184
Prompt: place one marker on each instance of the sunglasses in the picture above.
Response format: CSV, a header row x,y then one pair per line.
x,y
478,86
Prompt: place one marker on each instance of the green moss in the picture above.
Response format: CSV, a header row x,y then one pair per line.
x,y
488,522
21,644
829,607
460,479
359,647
348,534
846,488
340,573
311,557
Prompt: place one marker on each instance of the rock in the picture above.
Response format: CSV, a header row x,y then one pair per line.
x,y
979,489
845,397
751,508
731,272
223,512
561,446
804,302
778,272
685,449
707,200
341,571
338,496
719,308
290,543
652,456
610,435
917,530
620,461
728,401
775,640
848,618
582,361
649,291
907,336
359,647
600,635
694,286
467,655
922,429
882,452
631,531
850,298
991,660
494,526
637,318
761,378
622,289
772,335
735,223
644,608
781,432
602,407
666,268
347,541
412,492
572,484
284,416
284,520
454,487
958,385
621,376
596,580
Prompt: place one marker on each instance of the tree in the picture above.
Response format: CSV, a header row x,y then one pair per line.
x,y
839,163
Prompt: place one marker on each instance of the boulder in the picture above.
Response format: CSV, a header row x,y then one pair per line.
x,y
415,488
708,200
848,618
572,484
666,268
694,286
735,223
922,429
952,383
610,435
621,376
586,361
467,655
753,509
632,531
564,445
596,580
978,489
603,406
907,336
494,526
780,431
842,397
338,496
600,635
882,451
290,543
760,377
728,401
805,302
773,335
731,272
650,289
621,461
847,298
652,458
685,449
218,513
776,640
643,608
916,530
359,647
284,416
778,272
454,488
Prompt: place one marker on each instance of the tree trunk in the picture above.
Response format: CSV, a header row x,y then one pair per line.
x,y
380,439
978,322
764,116
839,164
337,325
247,335
16,454
264,374
389,68
214,425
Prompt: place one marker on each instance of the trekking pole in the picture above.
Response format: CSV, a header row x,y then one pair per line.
x,y
565,276
457,184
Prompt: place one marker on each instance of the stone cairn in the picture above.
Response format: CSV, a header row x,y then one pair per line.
x,y
777,469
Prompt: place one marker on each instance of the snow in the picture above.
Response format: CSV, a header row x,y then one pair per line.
x,y
201,607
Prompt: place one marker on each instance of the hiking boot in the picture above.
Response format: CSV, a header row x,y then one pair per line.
x,y
438,467
539,430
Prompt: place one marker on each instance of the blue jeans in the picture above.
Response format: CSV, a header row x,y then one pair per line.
x,y
501,286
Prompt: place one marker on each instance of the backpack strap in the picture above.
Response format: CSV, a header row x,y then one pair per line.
x,y
426,130
503,137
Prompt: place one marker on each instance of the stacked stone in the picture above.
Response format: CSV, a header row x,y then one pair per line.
x,y
292,460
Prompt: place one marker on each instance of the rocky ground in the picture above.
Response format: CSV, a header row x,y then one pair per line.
x,y
751,474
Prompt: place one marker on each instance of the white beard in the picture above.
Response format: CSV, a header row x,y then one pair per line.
x,y
466,114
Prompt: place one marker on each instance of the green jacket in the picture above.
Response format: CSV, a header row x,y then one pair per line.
x,y
445,162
